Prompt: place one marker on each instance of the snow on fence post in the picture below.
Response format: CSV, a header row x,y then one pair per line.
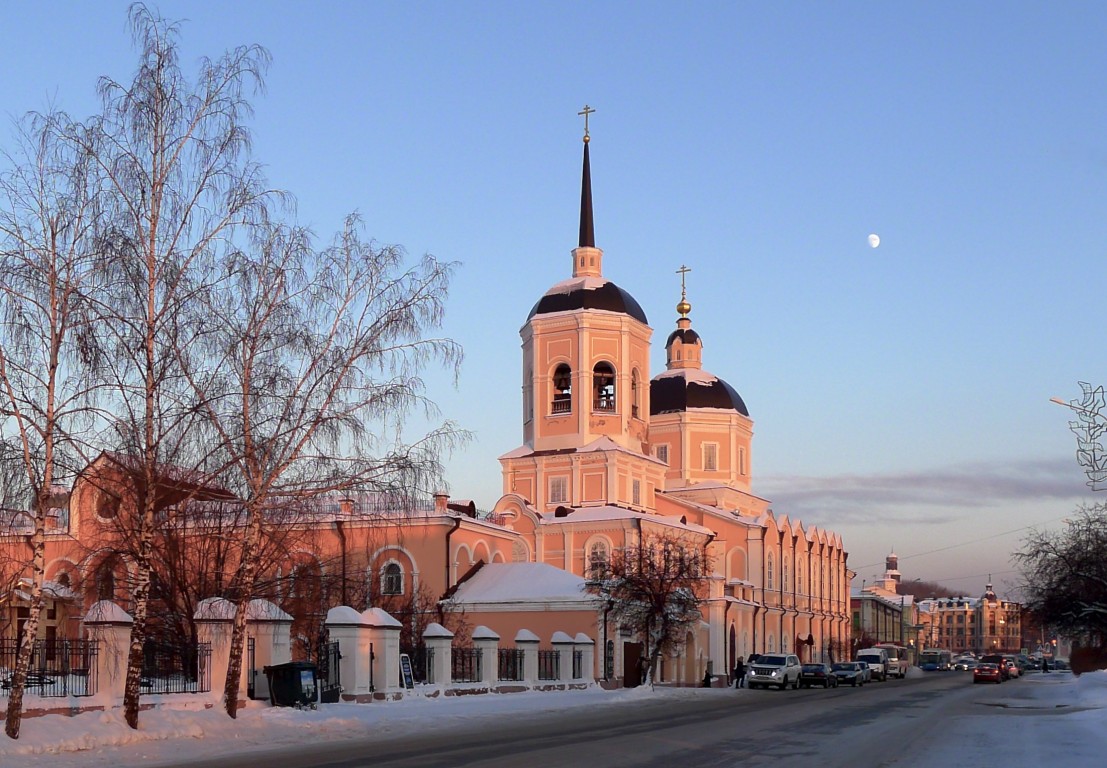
x,y
271,629
384,633
587,648
214,624
488,643
439,642
347,627
109,626
527,642
563,644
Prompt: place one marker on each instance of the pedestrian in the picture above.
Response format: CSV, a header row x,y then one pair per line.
x,y
739,673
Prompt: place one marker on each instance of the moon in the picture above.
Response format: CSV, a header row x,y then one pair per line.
x,y
874,241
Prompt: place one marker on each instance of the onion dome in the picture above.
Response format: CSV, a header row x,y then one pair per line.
x,y
588,293
685,385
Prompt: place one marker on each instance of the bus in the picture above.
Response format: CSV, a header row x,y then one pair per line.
x,y
935,659
898,659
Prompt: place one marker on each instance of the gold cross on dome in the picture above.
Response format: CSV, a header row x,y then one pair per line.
x,y
586,112
682,272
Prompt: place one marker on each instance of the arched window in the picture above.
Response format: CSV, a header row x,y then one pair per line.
x,y
105,580
563,390
769,571
597,560
603,388
392,580
634,394
784,580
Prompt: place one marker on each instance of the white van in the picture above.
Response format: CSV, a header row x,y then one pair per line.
x,y
877,659
897,660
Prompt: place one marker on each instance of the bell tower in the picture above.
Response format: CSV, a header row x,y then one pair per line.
x,y
586,348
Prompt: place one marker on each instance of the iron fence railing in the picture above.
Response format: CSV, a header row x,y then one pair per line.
x,y
422,661
175,667
549,665
59,667
578,665
465,665
509,664
330,681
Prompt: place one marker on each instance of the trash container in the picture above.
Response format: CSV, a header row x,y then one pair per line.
x,y
293,684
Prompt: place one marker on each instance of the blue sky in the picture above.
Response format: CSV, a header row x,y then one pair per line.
x,y
900,394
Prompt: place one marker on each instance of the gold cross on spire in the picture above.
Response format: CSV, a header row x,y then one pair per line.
x,y
682,272
586,112
683,307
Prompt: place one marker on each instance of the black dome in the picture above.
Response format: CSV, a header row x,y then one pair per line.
x,y
674,391
686,336
588,293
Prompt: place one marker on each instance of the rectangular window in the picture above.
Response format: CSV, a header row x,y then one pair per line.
x,y
663,453
559,490
710,457
636,492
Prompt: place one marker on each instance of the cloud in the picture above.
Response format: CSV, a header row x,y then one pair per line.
x,y
931,497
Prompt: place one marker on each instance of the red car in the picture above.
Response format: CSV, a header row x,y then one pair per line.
x,y
987,673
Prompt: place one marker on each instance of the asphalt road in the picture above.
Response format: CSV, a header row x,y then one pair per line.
x,y
870,726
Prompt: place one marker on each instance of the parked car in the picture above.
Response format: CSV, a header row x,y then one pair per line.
x,y
986,672
1013,670
849,672
817,674
775,669
965,664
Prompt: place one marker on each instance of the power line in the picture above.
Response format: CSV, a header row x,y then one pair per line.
x,y
962,544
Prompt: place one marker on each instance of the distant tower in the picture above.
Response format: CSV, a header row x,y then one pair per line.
x,y
891,572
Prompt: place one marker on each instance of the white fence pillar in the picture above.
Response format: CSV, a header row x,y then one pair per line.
x,y
488,643
439,642
587,648
347,627
384,635
110,627
527,642
214,624
271,628
563,645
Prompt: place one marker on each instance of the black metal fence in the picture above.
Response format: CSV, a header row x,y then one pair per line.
x,y
465,665
330,682
58,667
176,667
510,664
422,659
251,669
549,665
578,665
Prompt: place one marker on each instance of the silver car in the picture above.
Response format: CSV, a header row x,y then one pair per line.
x,y
775,669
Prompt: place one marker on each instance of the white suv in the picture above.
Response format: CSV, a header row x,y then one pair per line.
x,y
779,669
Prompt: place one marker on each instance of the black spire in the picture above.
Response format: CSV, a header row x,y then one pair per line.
x,y
587,227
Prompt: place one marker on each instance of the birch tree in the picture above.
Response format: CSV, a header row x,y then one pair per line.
x,y
311,362
176,155
50,205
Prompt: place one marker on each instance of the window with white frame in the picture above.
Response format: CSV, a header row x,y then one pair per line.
x,y
392,579
636,492
710,457
559,490
769,571
663,452
597,560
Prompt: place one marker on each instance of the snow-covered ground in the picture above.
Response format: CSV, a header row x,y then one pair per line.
x,y
1061,721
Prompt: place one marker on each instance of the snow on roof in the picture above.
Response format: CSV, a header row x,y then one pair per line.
x,y
215,609
694,375
599,445
515,582
344,614
107,612
263,610
378,617
434,629
609,512
586,283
